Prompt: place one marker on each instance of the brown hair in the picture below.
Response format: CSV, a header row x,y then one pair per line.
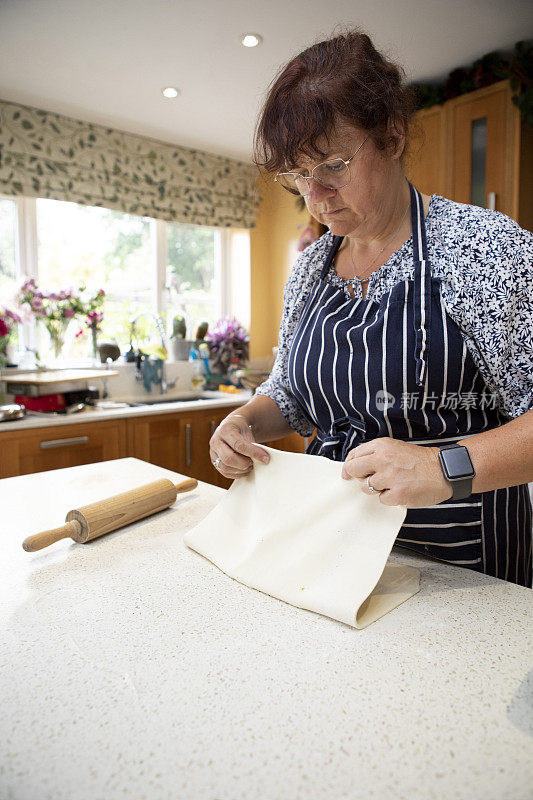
x,y
342,78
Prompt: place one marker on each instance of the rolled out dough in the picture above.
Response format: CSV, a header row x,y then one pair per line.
x,y
294,529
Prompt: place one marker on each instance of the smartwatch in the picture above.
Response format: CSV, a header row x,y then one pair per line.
x,y
458,469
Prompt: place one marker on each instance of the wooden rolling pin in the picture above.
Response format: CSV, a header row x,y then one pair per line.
x,y
89,522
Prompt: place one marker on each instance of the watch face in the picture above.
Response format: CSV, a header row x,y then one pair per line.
x,y
457,462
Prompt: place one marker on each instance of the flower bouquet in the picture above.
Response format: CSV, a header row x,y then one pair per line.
x,y
91,308
56,309
8,320
228,342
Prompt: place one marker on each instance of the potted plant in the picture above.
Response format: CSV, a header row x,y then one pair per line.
x,y
228,344
181,346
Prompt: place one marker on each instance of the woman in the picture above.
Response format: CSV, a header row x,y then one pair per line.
x,y
406,331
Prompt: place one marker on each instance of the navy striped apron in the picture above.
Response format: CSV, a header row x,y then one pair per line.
x,y
362,369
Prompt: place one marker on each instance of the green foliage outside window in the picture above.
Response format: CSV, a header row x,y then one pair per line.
x,y
102,248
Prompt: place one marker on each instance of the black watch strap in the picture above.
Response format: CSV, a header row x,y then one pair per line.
x,y
462,488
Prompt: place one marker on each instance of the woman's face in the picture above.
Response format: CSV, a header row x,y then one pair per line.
x,y
356,209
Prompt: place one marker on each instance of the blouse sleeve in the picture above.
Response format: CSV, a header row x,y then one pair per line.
x,y
277,385
494,300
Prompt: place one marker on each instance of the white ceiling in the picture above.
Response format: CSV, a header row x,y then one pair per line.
x,y
106,61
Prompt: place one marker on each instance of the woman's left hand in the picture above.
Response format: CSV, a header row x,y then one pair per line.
x,y
404,474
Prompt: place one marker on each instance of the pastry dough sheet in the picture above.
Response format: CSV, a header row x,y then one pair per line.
x,y
295,530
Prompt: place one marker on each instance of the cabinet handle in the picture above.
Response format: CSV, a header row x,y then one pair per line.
x,y
491,201
188,458
63,442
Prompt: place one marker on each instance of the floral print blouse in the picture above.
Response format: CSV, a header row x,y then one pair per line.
x,y
485,262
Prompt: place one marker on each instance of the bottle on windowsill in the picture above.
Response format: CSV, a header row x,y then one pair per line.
x,y
233,375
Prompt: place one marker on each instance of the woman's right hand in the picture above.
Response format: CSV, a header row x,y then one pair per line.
x,y
233,443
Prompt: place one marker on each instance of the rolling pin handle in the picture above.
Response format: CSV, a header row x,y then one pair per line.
x,y
40,540
186,486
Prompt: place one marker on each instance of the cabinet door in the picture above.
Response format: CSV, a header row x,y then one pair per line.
x,y
205,424
425,162
56,447
159,440
293,443
484,155
179,442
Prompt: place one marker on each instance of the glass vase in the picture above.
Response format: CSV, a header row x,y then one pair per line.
x,y
94,346
57,329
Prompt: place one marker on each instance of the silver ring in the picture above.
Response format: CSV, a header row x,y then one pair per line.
x,y
371,488
216,462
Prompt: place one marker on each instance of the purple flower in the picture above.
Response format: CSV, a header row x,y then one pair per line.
x,y
94,318
13,315
228,343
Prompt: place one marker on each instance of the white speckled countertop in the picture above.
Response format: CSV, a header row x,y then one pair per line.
x,y
209,399
131,667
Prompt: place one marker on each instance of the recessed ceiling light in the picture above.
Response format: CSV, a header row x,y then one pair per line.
x,y
251,39
170,91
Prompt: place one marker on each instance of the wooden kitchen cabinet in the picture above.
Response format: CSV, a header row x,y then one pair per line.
x,y
180,442
57,446
426,156
176,441
205,424
159,439
475,149
498,120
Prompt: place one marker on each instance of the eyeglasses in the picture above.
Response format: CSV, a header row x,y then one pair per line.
x,y
333,174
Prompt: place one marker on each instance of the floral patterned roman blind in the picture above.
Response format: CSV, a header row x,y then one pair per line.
x,y
43,154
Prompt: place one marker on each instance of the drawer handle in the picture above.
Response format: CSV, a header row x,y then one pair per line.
x,y
188,445
63,442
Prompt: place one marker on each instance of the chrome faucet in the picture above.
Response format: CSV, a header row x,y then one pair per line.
x,y
161,330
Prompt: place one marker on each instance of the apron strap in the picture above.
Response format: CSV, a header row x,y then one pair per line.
x,y
422,283
422,286
418,226
331,255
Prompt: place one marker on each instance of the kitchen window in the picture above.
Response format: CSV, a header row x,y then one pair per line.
x,y
146,267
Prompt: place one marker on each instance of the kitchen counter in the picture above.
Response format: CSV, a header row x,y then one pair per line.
x,y
209,399
133,668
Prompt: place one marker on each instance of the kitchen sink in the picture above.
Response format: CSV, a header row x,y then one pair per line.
x,y
180,377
